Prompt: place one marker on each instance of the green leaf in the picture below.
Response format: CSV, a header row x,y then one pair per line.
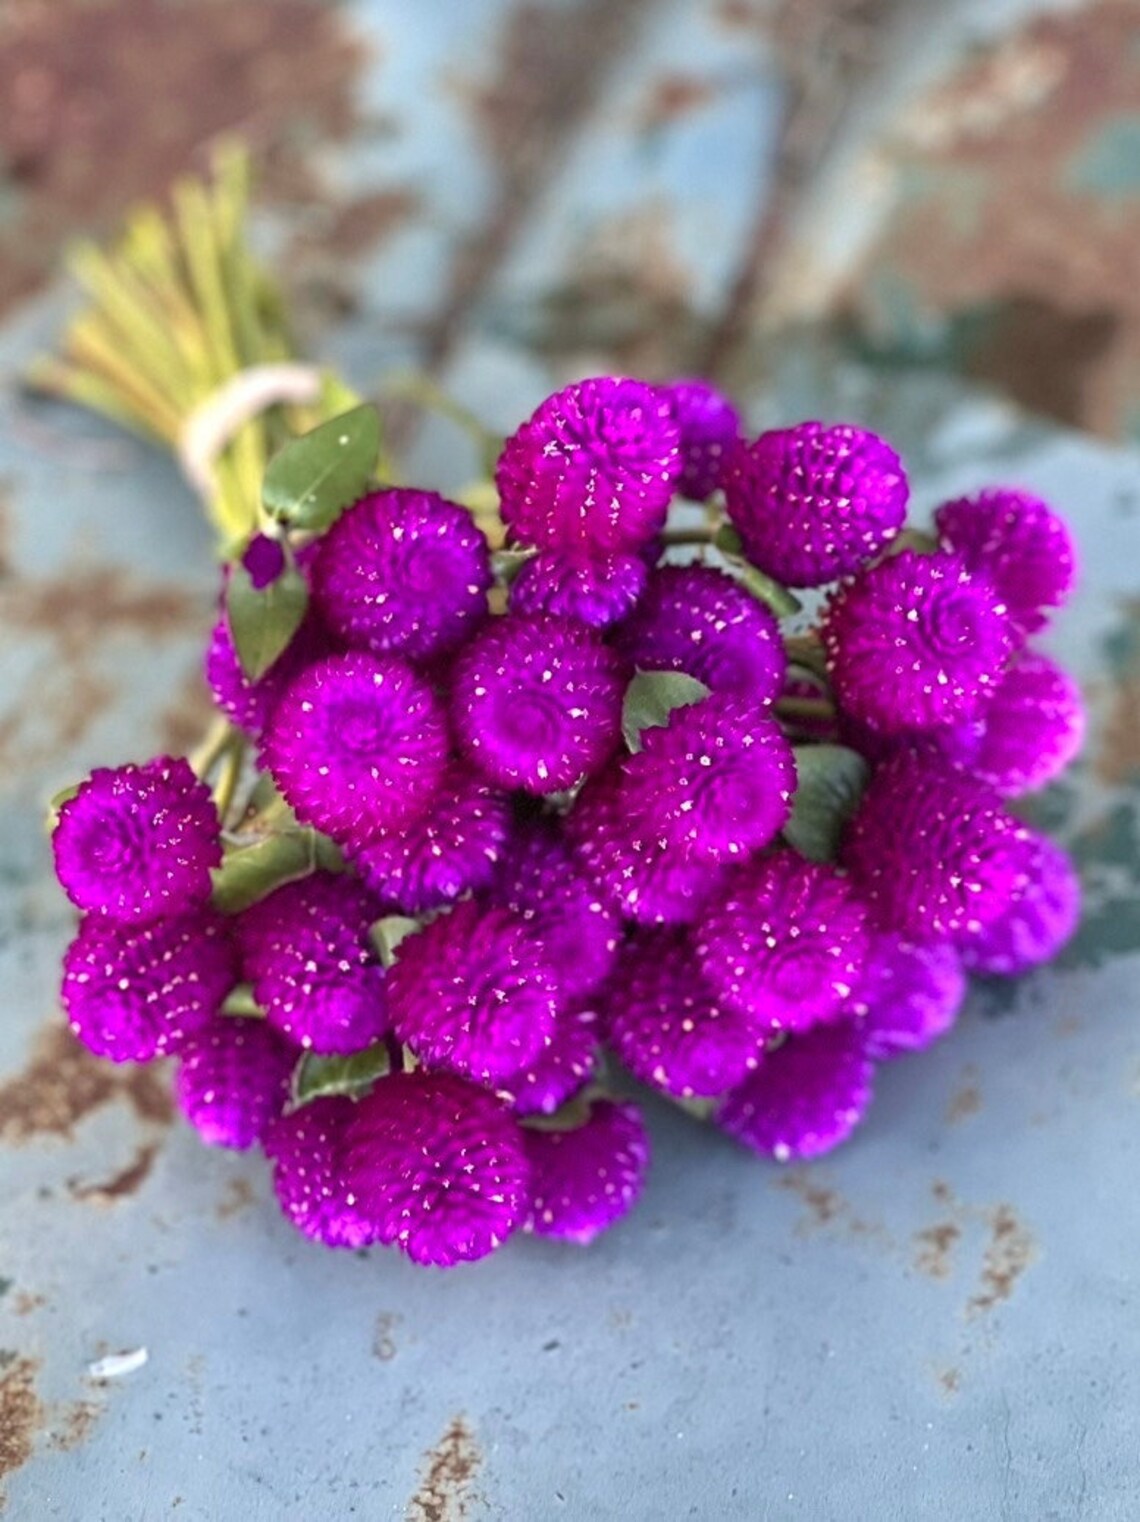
x,y
310,482
652,696
317,1077
57,801
249,873
240,1001
262,622
830,782
386,935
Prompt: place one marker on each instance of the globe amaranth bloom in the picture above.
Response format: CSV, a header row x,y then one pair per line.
x,y
561,1069
698,620
449,850
586,1179
357,744
306,1149
932,849
536,702
438,1165
137,842
233,1080
403,572
1023,547
909,994
595,588
133,992
806,1097
1039,919
595,466
665,1024
248,703
306,952
710,426
784,942
474,992
812,503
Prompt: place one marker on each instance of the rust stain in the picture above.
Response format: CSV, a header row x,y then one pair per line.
x,y
25,1303
449,1470
74,1425
384,1336
951,1380
826,1207
182,724
122,1185
675,96
21,1414
1117,760
934,1247
1010,1251
966,1102
239,1196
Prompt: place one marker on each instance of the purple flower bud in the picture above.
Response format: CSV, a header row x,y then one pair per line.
x,y
595,588
1020,545
137,842
560,1070
233,1080
264,560
587,1179
909,995
709,425
307,1152
1041,916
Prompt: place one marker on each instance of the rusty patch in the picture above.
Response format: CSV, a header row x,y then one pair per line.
x,y
826,1207
384,1336
675,96
239,1196
63,1083
934,1247
1117,760
182,724
25,1303
21,1414
74,1425
965,1102
1010,1251
122,1185
950,1380
449,1471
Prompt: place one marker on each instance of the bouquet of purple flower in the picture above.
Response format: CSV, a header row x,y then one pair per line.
x,y
481,826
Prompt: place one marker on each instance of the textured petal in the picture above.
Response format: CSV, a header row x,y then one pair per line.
x,y
709,425
561,1069
1020,544
307,1152
233,1080
1038,921
596,589
587,1179
909,995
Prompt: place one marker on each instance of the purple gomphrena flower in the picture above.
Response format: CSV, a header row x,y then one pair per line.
x,y
137,842
696,619
136,992
1027,733
439,1165
1019,543
536,702
305,950
595,466
710,426
933,850
357,744
812,503
246,703
666,1025
1037,923
233,1080
585,1180
784,942
539,880
306,1149
474,992
595,589
909,995
714,783
404,573
561,1069
451,849
916,642
806,1097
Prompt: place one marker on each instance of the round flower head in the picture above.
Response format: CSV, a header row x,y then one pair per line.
x,y
141,991
536,702
1027,733
246,703
597,589
709,425
561,1069
909,995
306,1149
666,1025
784,942
1020,544
233,1079
137,842
805,1098
357,744
587,1179
715,782
449,850
474,992
305,950
932,849
1038,921
916,642
594,466
403,572
439,1165
696,619
812,503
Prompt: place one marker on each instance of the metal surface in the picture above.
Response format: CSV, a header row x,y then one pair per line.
x,y
937,1322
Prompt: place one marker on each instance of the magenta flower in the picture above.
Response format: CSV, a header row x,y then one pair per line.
x,y
357,744
784,942
909,995
806,1097
595,466
696,619
439,1165
585,1180
595,588
813,503
138,842
233,1080
710,426
1037,922
306,952
1021,546
561,1069
248,704
474,992
306,1149
536,702
133,992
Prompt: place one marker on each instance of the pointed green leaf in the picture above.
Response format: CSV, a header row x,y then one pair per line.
x,y
762,586
262,622
652,696
830,782
317,1077
240,1001
251,872
310,482
386,935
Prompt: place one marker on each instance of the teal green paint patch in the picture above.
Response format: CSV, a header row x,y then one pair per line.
x,y
1110,164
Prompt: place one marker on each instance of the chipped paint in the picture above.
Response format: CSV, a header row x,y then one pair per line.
x,y
121,1185
21,1414
449,1469
63,1083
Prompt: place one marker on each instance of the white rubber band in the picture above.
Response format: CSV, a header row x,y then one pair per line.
x,y
213,423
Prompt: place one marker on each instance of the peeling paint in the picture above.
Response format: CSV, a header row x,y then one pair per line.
x,y
449,1470
63,1083
21,1414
